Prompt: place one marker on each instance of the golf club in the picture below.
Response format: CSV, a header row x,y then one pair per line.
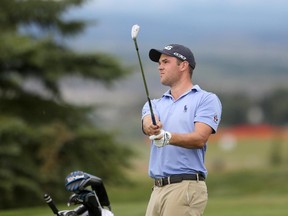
x,y
134,32
51,204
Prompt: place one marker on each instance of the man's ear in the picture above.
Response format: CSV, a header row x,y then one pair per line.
x,y
184,65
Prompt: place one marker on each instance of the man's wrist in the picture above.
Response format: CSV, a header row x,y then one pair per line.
x,y
162,139
167,137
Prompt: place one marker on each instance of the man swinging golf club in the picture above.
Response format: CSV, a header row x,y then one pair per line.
x,y
185,116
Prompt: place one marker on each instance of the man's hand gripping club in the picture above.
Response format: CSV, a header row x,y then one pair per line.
x,y
159,136
161,139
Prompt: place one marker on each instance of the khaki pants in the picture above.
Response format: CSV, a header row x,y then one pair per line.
x,y
187,198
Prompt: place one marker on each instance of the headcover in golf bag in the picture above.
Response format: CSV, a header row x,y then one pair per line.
x,y
78,181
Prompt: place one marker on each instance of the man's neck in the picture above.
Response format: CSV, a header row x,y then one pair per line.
x,y
179,90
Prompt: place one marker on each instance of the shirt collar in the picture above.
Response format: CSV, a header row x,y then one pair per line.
x,y
195,88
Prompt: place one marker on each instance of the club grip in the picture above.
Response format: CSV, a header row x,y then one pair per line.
x,y
51,204
153,119
151,111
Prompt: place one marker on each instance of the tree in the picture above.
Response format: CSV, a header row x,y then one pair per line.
x,y
234,109
275,107
42,136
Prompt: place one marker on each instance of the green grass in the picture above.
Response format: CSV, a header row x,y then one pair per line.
x,y
251,193
241,182
217,206
248,206
246,154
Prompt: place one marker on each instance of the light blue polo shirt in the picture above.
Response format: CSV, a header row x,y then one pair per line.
x,y
179,116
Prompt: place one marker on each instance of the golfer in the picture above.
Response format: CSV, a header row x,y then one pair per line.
x,y
186,116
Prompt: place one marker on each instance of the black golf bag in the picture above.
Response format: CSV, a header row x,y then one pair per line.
x,y
89,194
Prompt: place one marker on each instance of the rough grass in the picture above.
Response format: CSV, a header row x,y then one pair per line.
x,y
220,206
250,193
244,180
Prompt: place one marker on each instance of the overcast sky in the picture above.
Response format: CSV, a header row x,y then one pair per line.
x,y
250,32
166,21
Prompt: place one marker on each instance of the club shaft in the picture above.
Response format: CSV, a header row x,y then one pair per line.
x,y
51,204
145,84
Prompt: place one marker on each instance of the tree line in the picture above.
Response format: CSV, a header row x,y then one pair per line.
x,y
240,108
42,137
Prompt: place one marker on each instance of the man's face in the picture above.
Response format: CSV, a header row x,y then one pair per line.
x,y
169,70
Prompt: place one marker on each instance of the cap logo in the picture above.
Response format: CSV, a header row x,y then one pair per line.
x,y
179,56
168,47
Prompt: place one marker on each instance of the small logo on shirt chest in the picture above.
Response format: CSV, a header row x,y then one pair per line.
x,y
185,108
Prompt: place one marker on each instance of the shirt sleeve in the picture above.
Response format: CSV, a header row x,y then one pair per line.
x,y
146,108
209,111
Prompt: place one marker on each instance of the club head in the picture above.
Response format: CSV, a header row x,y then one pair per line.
x,y
134,31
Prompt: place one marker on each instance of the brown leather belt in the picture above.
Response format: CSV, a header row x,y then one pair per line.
x,y
161,182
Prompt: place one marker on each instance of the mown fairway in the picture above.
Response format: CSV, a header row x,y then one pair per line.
x,y
220,206
248,180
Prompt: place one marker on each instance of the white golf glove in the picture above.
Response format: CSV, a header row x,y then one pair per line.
x,y
161,139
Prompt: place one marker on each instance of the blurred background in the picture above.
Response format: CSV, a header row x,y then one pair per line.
x,y
71,95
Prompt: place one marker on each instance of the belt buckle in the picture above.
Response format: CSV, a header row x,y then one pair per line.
x,y
159,182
